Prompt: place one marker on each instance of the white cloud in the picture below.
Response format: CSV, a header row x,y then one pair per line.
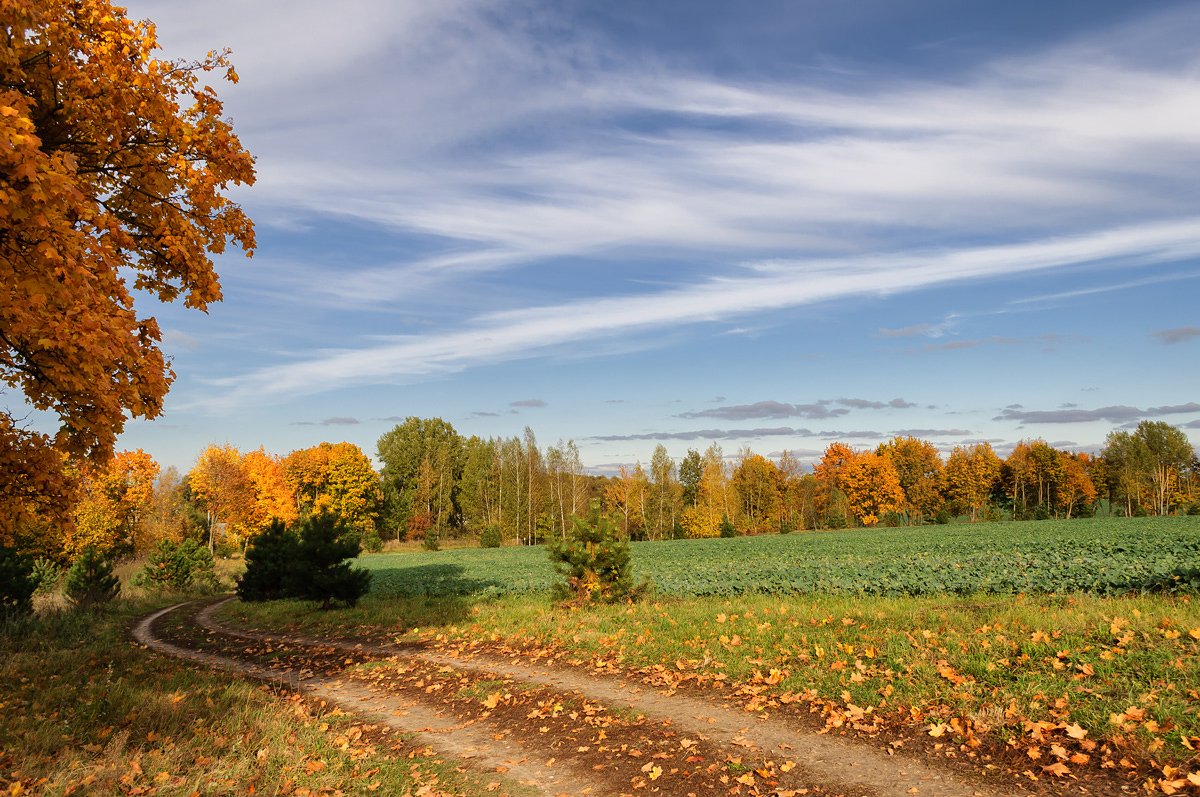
x,y
507,335
1059,143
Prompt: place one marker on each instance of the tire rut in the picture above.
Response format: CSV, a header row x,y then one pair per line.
x,y
841,764
448,735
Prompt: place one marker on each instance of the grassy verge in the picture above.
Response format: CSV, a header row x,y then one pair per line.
x,y
1023,669
87,711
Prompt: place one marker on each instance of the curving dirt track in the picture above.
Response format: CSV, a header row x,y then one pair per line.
x,y
543,728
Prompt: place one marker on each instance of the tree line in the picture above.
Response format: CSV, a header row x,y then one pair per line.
x,y
437,482
435,485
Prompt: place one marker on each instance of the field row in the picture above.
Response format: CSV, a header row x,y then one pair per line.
x,y
1101,556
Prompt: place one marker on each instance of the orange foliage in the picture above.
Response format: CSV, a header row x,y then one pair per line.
x,y
871,486
759,486
113,169
220,484
269,497
971,473
919,468
828,471
113,503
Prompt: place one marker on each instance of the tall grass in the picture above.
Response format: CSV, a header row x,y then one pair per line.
x,y
86,710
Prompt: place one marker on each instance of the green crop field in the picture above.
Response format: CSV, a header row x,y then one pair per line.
x,y
1102,556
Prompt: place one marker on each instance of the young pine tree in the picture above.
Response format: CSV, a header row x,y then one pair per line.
x,y
595,562
270,556
322,572
17,584
91,580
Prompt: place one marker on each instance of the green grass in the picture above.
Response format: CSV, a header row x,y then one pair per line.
x,y
997,661
1105,556
991,623
88,711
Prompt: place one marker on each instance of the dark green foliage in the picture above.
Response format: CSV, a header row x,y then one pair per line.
x,y
1041,512
942,517
678,532
269,558
727,527
595,563
17,584
430,541
309,564
836,519
321,572
893,520
691,471
181,567
91,580
46,575
371,541
786,526
1194,509
490,537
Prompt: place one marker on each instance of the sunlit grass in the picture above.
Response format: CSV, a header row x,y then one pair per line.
x,y
999,661
88,711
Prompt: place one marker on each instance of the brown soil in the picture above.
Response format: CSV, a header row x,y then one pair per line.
x,y
543,726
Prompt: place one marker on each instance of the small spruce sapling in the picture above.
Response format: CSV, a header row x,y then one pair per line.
x,y
490,537
595,563
181,567
322,572
17,584
91,580
270,556
46,574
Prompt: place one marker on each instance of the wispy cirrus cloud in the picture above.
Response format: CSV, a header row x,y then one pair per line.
x,y
795,194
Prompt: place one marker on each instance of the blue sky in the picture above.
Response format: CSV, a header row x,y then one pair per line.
x,y
772,224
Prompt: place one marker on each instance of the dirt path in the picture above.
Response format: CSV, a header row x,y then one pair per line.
x,y
445,734
554,730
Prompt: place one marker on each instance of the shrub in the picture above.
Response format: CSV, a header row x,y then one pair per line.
x,y
836,519
269,557
419,525
91,580
1194,509
786,527
321,572
46,575
310,564
595,563
17,584
371,541
727,527
431,542
942,517
179,566
490,537
1041,512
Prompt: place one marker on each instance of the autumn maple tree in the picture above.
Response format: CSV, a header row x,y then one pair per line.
x,y
971,472
113,170
219,482
872,487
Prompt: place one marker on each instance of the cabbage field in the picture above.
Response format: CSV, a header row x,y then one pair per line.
x,y
1107,556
